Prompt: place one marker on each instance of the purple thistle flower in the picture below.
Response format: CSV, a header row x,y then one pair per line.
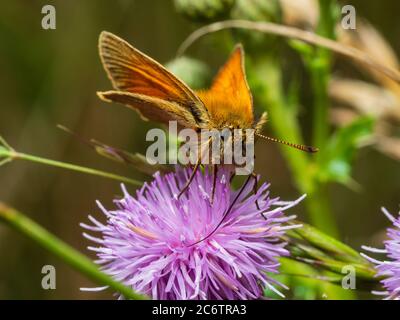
x,y
389,269
148,241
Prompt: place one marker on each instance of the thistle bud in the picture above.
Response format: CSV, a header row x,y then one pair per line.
x,y
257,10
204,10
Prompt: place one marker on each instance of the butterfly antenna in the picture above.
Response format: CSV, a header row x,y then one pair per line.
x,y
225,214
293,145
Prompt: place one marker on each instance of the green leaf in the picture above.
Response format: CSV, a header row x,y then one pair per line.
x,y
300,278
317,241
4,152
337,156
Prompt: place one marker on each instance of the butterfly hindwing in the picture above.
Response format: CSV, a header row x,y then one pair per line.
x,y
151,108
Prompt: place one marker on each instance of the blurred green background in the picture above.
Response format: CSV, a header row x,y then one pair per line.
x,y
50,77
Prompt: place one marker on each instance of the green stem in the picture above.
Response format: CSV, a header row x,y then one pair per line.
x,y
319,210
319,66
18,155
285,124
319,73
62,250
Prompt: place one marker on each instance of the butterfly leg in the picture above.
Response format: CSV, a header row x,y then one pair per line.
x,y
231,178
255,189
215,174
192,175
226,212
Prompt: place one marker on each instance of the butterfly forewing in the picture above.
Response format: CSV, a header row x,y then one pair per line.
x,y
146,86
229,97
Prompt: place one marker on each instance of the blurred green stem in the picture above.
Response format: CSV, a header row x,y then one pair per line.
x,y
11,154
319,210
268,73
62,250
319,74
319,65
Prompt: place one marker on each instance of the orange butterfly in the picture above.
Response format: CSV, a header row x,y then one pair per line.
x,y
147,87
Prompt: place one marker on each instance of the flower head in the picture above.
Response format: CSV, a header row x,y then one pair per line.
x,y
389,269
165,247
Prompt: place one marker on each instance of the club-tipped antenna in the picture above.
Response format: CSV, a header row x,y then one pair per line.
x,y
293,145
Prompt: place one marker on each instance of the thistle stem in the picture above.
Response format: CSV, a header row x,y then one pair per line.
x,y
69,255
320,67
285,124
11,154
319,74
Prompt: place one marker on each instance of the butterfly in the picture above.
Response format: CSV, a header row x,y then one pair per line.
x,y
144,85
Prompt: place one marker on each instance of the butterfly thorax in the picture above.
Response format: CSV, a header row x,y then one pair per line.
x,y
226,111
